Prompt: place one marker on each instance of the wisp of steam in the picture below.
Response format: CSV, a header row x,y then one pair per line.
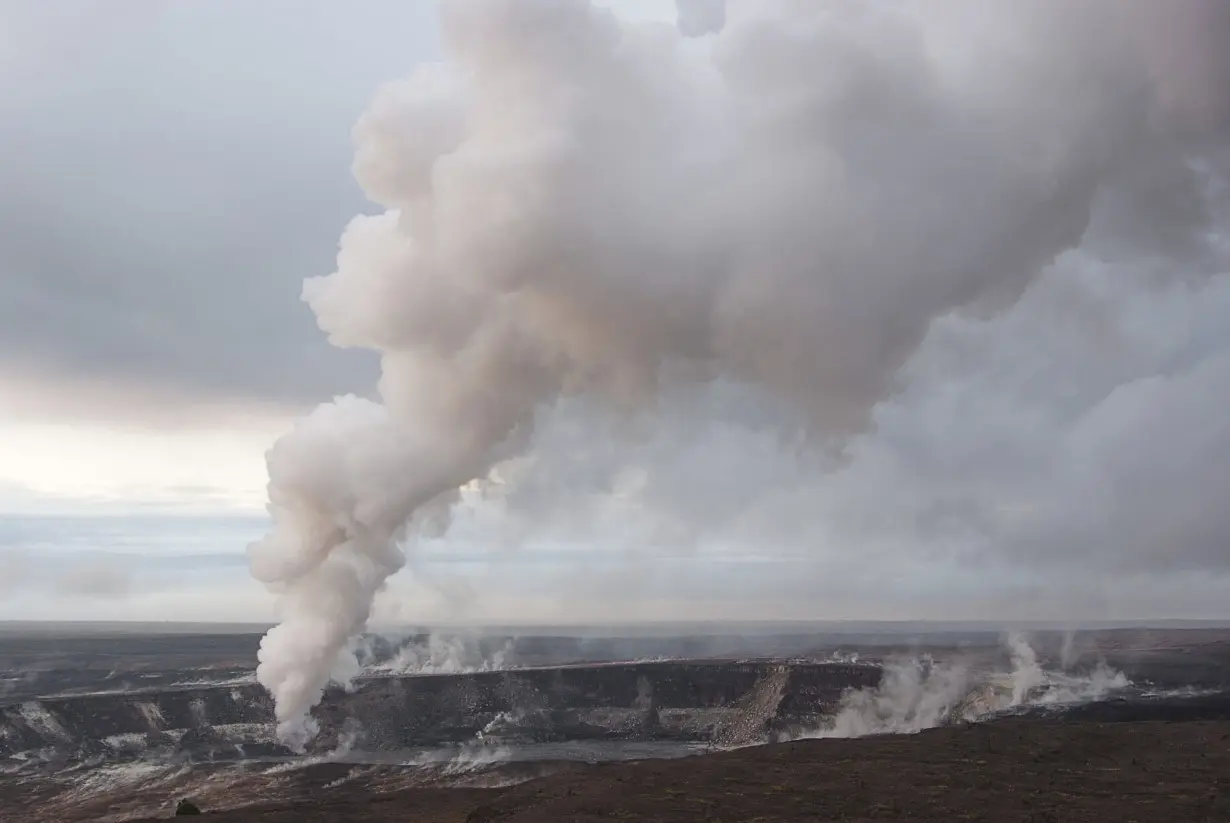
x,y
779,194
920,694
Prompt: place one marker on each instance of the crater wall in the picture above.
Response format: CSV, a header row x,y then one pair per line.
x,y
688,701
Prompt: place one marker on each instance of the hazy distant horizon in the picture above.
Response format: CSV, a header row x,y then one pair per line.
x,y
622,629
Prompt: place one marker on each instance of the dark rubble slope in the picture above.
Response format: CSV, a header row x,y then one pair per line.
x,y
1014,770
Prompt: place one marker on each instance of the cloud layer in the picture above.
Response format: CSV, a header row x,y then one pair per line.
x,y
173,175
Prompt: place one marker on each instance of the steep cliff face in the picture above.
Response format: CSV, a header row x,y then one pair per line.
x,y
711,701
199,721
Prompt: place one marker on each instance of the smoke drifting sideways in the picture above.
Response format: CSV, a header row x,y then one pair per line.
x,y
777,194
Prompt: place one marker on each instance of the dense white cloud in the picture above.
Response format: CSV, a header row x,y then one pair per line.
x,y
1060,453
853,283
1078,435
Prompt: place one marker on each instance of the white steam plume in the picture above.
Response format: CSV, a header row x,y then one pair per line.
x,y
919,694
579,206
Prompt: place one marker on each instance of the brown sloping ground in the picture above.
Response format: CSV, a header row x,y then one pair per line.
x,y
1024,771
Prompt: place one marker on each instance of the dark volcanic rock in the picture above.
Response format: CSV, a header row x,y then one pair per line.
x,y
1168,708
683,701
186,807
1019,770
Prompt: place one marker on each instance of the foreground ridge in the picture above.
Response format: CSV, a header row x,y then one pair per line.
x,y
1010,770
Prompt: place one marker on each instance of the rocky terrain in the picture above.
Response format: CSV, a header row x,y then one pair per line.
x,y
482,730
1024,771
726,702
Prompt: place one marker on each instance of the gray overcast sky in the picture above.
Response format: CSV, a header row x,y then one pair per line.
x,y
174,169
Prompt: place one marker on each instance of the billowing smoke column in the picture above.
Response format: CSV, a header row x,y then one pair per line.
x,y
579,206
